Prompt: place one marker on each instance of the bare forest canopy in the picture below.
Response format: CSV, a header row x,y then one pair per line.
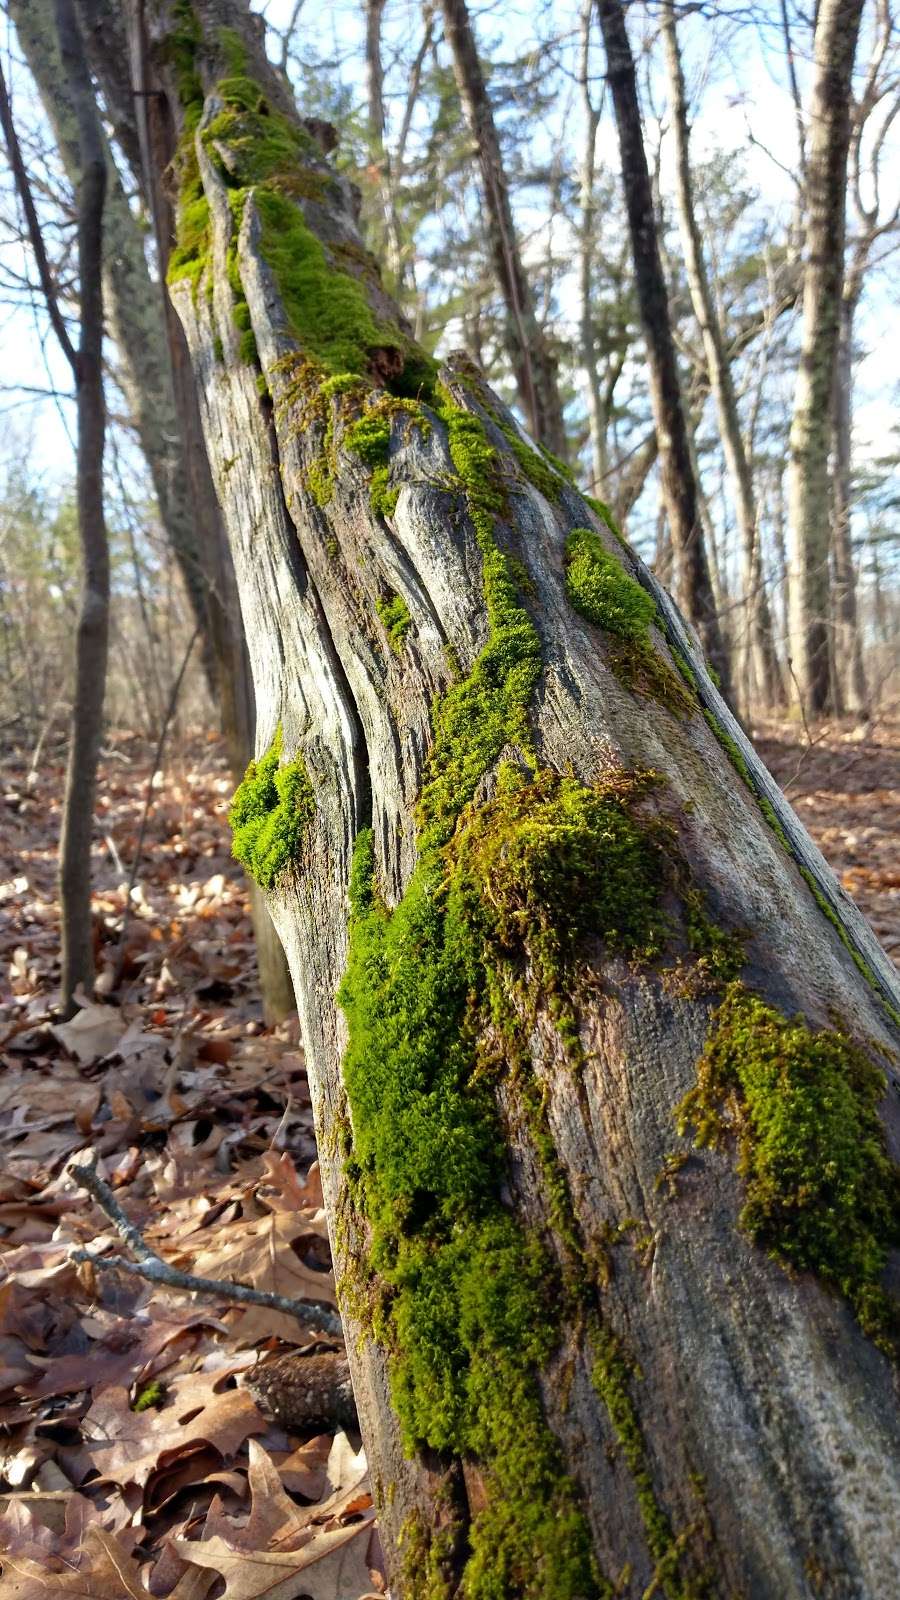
x,y
449,598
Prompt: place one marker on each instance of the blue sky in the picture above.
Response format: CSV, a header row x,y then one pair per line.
x,y
744,107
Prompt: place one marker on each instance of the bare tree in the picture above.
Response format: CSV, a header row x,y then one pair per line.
x,y
767,670
679,484
500,806
529,353
809,483
872,116
86,362
377,143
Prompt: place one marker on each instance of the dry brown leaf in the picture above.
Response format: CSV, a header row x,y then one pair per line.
x,y
333,1565
93,1032
125,1446
101,1569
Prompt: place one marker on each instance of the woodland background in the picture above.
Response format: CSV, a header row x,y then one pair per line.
x,y
173,1077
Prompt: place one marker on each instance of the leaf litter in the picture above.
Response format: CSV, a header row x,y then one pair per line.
x,y
134,1459
199,1118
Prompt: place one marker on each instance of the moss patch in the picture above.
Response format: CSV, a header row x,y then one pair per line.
x,y
613,1375
270,813
394,614
601,590
488,709
822,1194
465,1295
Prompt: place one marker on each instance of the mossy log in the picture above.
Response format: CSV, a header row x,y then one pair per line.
x,y
603,1061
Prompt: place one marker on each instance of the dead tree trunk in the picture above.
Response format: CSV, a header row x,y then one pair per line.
x,y
809,483
529,355
765,661
679,485
602,1109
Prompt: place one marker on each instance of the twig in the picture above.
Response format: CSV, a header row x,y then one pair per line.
x,y
151,1267
157,759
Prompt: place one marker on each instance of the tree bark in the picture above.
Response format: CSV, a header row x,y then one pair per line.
x,y
809,494
529,354
767,669
679,486
581,1365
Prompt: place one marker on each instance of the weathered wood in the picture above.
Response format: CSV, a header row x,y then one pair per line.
x,y
756,1451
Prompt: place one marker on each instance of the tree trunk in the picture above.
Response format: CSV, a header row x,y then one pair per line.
x,y
809,489
377,146
529,354
500,806
848,659
767,670
92,640
679,486
597,420
161,390
134,308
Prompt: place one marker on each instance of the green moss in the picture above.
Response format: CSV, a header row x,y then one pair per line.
x,y
605,515
328,310
462,1294
152,1394
601,590
821,1191
466,1312
270,813
612,1376
370,438
488,709
394,613
545,479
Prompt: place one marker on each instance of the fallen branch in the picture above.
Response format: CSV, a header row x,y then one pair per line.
x,y
152,1268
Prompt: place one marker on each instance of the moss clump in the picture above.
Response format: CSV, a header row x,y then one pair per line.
x,y
394,613
462,1294
602,591
466,1294
488,709
557,860
328,310
822,1194
370,438
152,1394
270,813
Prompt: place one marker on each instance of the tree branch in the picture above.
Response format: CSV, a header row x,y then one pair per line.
x,y
152,1268
23,188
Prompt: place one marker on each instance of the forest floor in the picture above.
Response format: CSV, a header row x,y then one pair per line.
x,y
136,1455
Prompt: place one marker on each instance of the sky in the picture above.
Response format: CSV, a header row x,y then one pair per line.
x,y
745,106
